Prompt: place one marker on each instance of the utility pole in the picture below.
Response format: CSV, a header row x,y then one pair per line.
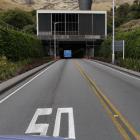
x,y
113,32
55,40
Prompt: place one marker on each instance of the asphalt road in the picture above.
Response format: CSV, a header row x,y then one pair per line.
x,y
77,99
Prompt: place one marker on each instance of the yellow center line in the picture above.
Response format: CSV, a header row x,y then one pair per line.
x,y
118,119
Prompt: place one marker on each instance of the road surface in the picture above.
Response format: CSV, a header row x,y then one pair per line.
x,y
76,99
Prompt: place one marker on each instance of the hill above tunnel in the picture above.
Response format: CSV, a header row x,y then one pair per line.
x,y
29,5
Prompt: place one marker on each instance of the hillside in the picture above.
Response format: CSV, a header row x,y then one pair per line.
x,y
29,5
130,26
107,4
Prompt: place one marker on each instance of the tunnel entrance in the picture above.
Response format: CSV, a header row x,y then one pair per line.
x,y
78,49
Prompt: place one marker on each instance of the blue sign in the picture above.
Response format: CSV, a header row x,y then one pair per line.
x,y
67,53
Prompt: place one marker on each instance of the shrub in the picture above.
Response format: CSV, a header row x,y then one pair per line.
x,y
19,46
132,43
31,29
17,18
9,69
105,49
133,64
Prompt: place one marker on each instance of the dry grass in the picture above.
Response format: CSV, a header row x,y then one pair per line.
x,y
56,4
9,4
100,5
131,25
38,4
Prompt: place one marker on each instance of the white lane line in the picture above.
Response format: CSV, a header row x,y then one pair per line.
x,y
123,73
39,128
1,101
69,111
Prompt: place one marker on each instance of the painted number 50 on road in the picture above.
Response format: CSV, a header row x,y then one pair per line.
x,y
42,129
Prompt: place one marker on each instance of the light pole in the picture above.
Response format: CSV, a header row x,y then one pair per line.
x,y
55,38
113,32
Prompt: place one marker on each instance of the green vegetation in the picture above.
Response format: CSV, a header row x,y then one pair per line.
x,y
18,46
129,63
124,13
9,69
17,18
18,43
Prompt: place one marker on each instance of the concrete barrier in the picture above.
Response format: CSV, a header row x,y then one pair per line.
x,y
16,80
130,72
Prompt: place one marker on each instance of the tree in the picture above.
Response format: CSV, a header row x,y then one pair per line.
x,y
17,18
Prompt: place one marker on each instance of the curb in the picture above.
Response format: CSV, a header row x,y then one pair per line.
x,y
130,72
20,78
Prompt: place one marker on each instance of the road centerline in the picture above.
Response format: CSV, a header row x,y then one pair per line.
x,y
120,122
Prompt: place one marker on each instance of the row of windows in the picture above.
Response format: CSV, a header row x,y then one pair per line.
x,y
65,23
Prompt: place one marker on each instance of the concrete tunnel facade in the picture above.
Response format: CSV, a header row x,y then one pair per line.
x,y
78,31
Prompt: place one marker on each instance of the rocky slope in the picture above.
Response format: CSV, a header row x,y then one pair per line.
x,y
56,4
39,4
129,26
107,4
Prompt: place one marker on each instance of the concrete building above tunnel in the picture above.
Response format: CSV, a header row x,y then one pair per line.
x,y
73,30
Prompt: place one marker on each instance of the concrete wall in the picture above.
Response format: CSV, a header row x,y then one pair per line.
x,y
85,4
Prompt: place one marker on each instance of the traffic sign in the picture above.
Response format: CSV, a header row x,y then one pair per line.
x,y
67,53
119,46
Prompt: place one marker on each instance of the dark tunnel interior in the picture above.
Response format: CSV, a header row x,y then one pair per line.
x,y
77,49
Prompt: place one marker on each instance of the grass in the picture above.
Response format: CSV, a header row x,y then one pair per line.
x,y
132,64
9,69
9,4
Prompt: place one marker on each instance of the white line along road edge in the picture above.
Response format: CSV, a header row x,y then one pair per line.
x,y
5,98
123,73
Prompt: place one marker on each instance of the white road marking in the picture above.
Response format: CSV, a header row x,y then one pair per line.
x,y
1,101
60,111
39,128
42,129
116,116
117,71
